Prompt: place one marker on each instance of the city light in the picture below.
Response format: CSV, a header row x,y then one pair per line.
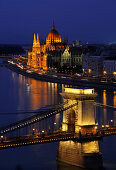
x,y
95,127
79,91
89,70
105,72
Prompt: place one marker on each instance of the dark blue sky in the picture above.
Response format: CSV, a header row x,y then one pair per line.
x,y
86,20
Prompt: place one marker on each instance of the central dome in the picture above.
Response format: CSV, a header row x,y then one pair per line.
x,y
53,36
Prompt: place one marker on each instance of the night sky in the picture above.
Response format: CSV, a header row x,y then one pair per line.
x,y
87,20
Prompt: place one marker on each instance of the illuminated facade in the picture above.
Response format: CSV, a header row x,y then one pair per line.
x,y
53,36
66,58
37,56
79,118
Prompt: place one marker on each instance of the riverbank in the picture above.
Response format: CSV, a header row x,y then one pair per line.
x,y
62,79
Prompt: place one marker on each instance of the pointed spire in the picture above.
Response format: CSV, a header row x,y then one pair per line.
x,y
53,27
34,40
38,43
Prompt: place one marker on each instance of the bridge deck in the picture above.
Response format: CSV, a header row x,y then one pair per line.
x,y
38,138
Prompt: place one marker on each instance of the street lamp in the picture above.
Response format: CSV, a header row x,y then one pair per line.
x,y
42,131
111,122
89,72
114,73
105,72
95,127
33,131
2,138
54,126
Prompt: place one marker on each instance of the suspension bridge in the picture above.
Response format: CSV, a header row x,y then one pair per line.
x,y
77,122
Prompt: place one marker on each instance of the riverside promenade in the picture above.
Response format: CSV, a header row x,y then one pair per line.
x,y
62,79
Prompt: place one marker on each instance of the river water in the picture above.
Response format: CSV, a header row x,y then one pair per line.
x,y
18,93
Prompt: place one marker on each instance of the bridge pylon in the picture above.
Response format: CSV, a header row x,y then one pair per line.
x,y
81,117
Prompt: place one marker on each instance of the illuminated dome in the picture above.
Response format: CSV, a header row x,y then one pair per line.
x,y
53,36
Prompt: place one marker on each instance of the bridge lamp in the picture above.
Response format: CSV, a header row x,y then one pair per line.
x,y
33,131
2,137
111,120
42,131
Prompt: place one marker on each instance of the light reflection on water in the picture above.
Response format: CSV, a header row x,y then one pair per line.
x,y
21,93
80,154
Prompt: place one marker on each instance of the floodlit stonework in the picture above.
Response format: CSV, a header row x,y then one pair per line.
x,y
37,56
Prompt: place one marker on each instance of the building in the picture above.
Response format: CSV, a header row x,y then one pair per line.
x,y
76,43
109,67
92,65
66,58
76,56
54,59
71,57
37,56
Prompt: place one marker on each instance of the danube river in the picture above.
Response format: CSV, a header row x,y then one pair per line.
x,y
18,93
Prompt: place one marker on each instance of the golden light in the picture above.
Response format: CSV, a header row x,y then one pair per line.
x,y
37,57
95,127
105,72
42,131
79,91
111,120
64,127
114,73
89,70
107,125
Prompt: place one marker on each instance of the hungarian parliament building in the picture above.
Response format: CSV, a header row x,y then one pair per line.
x,y
38,54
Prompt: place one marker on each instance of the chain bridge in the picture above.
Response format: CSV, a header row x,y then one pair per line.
x,y
77,122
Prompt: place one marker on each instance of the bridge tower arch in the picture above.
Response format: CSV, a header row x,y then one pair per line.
x,y
80,117
71,120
